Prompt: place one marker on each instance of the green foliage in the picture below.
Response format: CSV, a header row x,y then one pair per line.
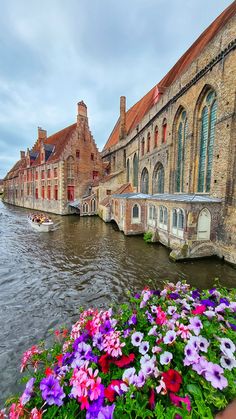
x,y
147,237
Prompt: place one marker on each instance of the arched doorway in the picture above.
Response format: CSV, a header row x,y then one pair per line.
x,y
204,225
158,179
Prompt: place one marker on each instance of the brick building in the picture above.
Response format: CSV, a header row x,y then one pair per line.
x,y
58,171
177,147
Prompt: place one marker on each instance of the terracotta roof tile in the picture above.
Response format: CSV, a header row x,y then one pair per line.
x,y
135,114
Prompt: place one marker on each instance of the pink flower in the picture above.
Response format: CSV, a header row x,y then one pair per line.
x,y
161,316
27,357
199,309
179,400
36,414
112,344
16,411
183,331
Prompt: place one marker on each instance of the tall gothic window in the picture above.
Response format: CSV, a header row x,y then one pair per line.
x,y
135,171
144,181
207,137
156,137
70,167
127,170
158,179
181,144
148,142
142,147
164,130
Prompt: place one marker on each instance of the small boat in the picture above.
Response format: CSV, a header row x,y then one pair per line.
x,y
41,223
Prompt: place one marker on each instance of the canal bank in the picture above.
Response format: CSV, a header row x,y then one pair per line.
x,y
44,279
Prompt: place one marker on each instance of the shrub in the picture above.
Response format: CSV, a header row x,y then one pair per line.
x,y
147,237
166,354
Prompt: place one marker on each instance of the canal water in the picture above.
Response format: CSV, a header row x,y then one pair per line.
x,y
46,277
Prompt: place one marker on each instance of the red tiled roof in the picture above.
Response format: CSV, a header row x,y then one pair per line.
x,y
135,114
59,140
127,187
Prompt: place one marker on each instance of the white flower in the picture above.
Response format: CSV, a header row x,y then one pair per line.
x,y
228,363
165,358
143,348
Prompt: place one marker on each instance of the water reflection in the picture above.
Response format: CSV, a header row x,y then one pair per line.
x,y
45,278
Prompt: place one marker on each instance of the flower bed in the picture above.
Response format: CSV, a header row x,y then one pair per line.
x,y
166,354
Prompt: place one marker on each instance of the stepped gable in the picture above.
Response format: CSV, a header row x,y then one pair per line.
x,y
58,140
136,113
14,171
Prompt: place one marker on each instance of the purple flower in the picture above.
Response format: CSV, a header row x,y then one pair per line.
x,y
67,358
195,325
150,317
228,363
225,301
91,357
165,358
106,412
210,314
171,310
191,354
132,320
105,327
169,337
129,376
137,296
82,338
143,347
26,396
126,333
140,379
208,303
51,390
136,338
214,375
174,295
202,343
233,326
200,366
227,347
98,341
195,294
95,406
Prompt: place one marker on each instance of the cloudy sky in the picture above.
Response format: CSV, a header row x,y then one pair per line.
x,y
53,53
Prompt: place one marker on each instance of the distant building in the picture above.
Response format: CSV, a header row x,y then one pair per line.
x,y
1,186
177,148
58,171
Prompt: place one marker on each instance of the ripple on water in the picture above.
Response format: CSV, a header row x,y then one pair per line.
x,y
46,278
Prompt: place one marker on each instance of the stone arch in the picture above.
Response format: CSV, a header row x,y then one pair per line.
x,y
204,225
158,179
144,185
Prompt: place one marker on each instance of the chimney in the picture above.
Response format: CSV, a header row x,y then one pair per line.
x,y
42,135
122,133
82,109
22,154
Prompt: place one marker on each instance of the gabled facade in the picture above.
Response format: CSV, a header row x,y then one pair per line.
x,y
57,171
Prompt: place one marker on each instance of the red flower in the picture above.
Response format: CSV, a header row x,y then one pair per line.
x,y
105,361
48,371
109,392
59,358
152,399
124,360
172,380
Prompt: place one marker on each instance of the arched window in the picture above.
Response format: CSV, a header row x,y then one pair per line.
x,y
144,181
178,222
142,147
127,170
207,136
174,218
163,217
85,208
181,144
148,142
204,225
135,211
151,214
156,137
135,171
93,205
164,130
70,167
158,179
180,219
